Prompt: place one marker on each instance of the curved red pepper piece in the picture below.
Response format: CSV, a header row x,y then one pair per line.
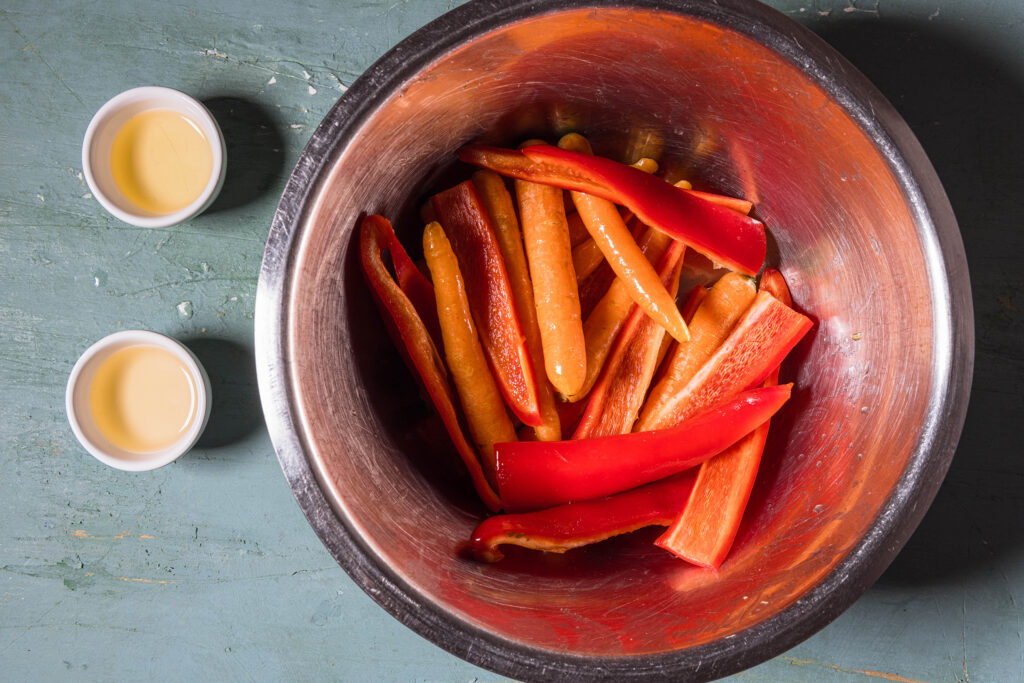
x,y
561,528
539,474
411,336
414,284
468,226
725,236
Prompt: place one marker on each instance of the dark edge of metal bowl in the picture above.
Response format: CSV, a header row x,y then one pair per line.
x,y
913,493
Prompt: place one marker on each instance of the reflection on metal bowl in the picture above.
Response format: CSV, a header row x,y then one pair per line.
x,y
739,99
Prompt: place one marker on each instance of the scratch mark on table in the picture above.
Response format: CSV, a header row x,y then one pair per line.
x,y
83,534
963,637
29,46
865,672
162,582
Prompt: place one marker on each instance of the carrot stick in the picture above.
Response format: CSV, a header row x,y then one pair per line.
x,y
609,315
742,206
498,202
608,230
478,392
555,294
712,322
626,376
586,257
689,307
586,254
705,530
577,231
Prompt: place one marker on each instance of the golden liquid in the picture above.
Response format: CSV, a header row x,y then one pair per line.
x,y
142,398
161,161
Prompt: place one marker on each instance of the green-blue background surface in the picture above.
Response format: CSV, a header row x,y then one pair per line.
x,y
206,569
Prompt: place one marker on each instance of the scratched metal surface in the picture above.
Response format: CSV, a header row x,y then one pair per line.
x,y
207,569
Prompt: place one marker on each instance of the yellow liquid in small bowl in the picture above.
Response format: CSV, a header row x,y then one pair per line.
x,y
142,398
161,161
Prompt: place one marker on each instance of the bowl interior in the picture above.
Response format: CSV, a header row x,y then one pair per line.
x,y
731,115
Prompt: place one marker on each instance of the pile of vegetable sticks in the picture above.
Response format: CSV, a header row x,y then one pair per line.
x,y
593,404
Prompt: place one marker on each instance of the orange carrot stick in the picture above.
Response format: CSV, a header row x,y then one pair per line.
x,y
603,324
586,257
577,231
626,376
478,392
555,294
613,238
498,202
712,322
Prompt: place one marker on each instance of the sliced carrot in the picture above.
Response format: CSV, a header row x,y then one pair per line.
x,y
613,238
603,324
626,376
478,392
646,164
498,202
741,206
586,257
596,285
705,530
577,231
712,322
555,294
689,307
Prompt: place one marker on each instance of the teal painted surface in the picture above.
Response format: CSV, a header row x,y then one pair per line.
x,y
206,569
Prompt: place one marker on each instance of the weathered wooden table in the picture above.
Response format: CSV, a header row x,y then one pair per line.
x,y
206,569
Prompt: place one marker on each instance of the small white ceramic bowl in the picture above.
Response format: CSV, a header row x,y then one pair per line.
x,y
80,416
99,137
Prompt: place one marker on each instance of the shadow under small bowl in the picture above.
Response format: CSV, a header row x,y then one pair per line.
x,y
741,100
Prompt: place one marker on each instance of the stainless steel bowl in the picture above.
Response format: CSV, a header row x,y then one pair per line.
x,y
741,100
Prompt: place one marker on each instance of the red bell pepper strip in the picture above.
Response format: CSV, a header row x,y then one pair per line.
x,y
626,376
758,342
723,235
558,529
411,336
415,285
704,530
468,226
536,474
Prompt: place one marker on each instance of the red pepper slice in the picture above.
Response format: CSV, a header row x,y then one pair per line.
x,y
761,338
725,236
411,336
539,474
705,529
558,529
468,226
415,284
